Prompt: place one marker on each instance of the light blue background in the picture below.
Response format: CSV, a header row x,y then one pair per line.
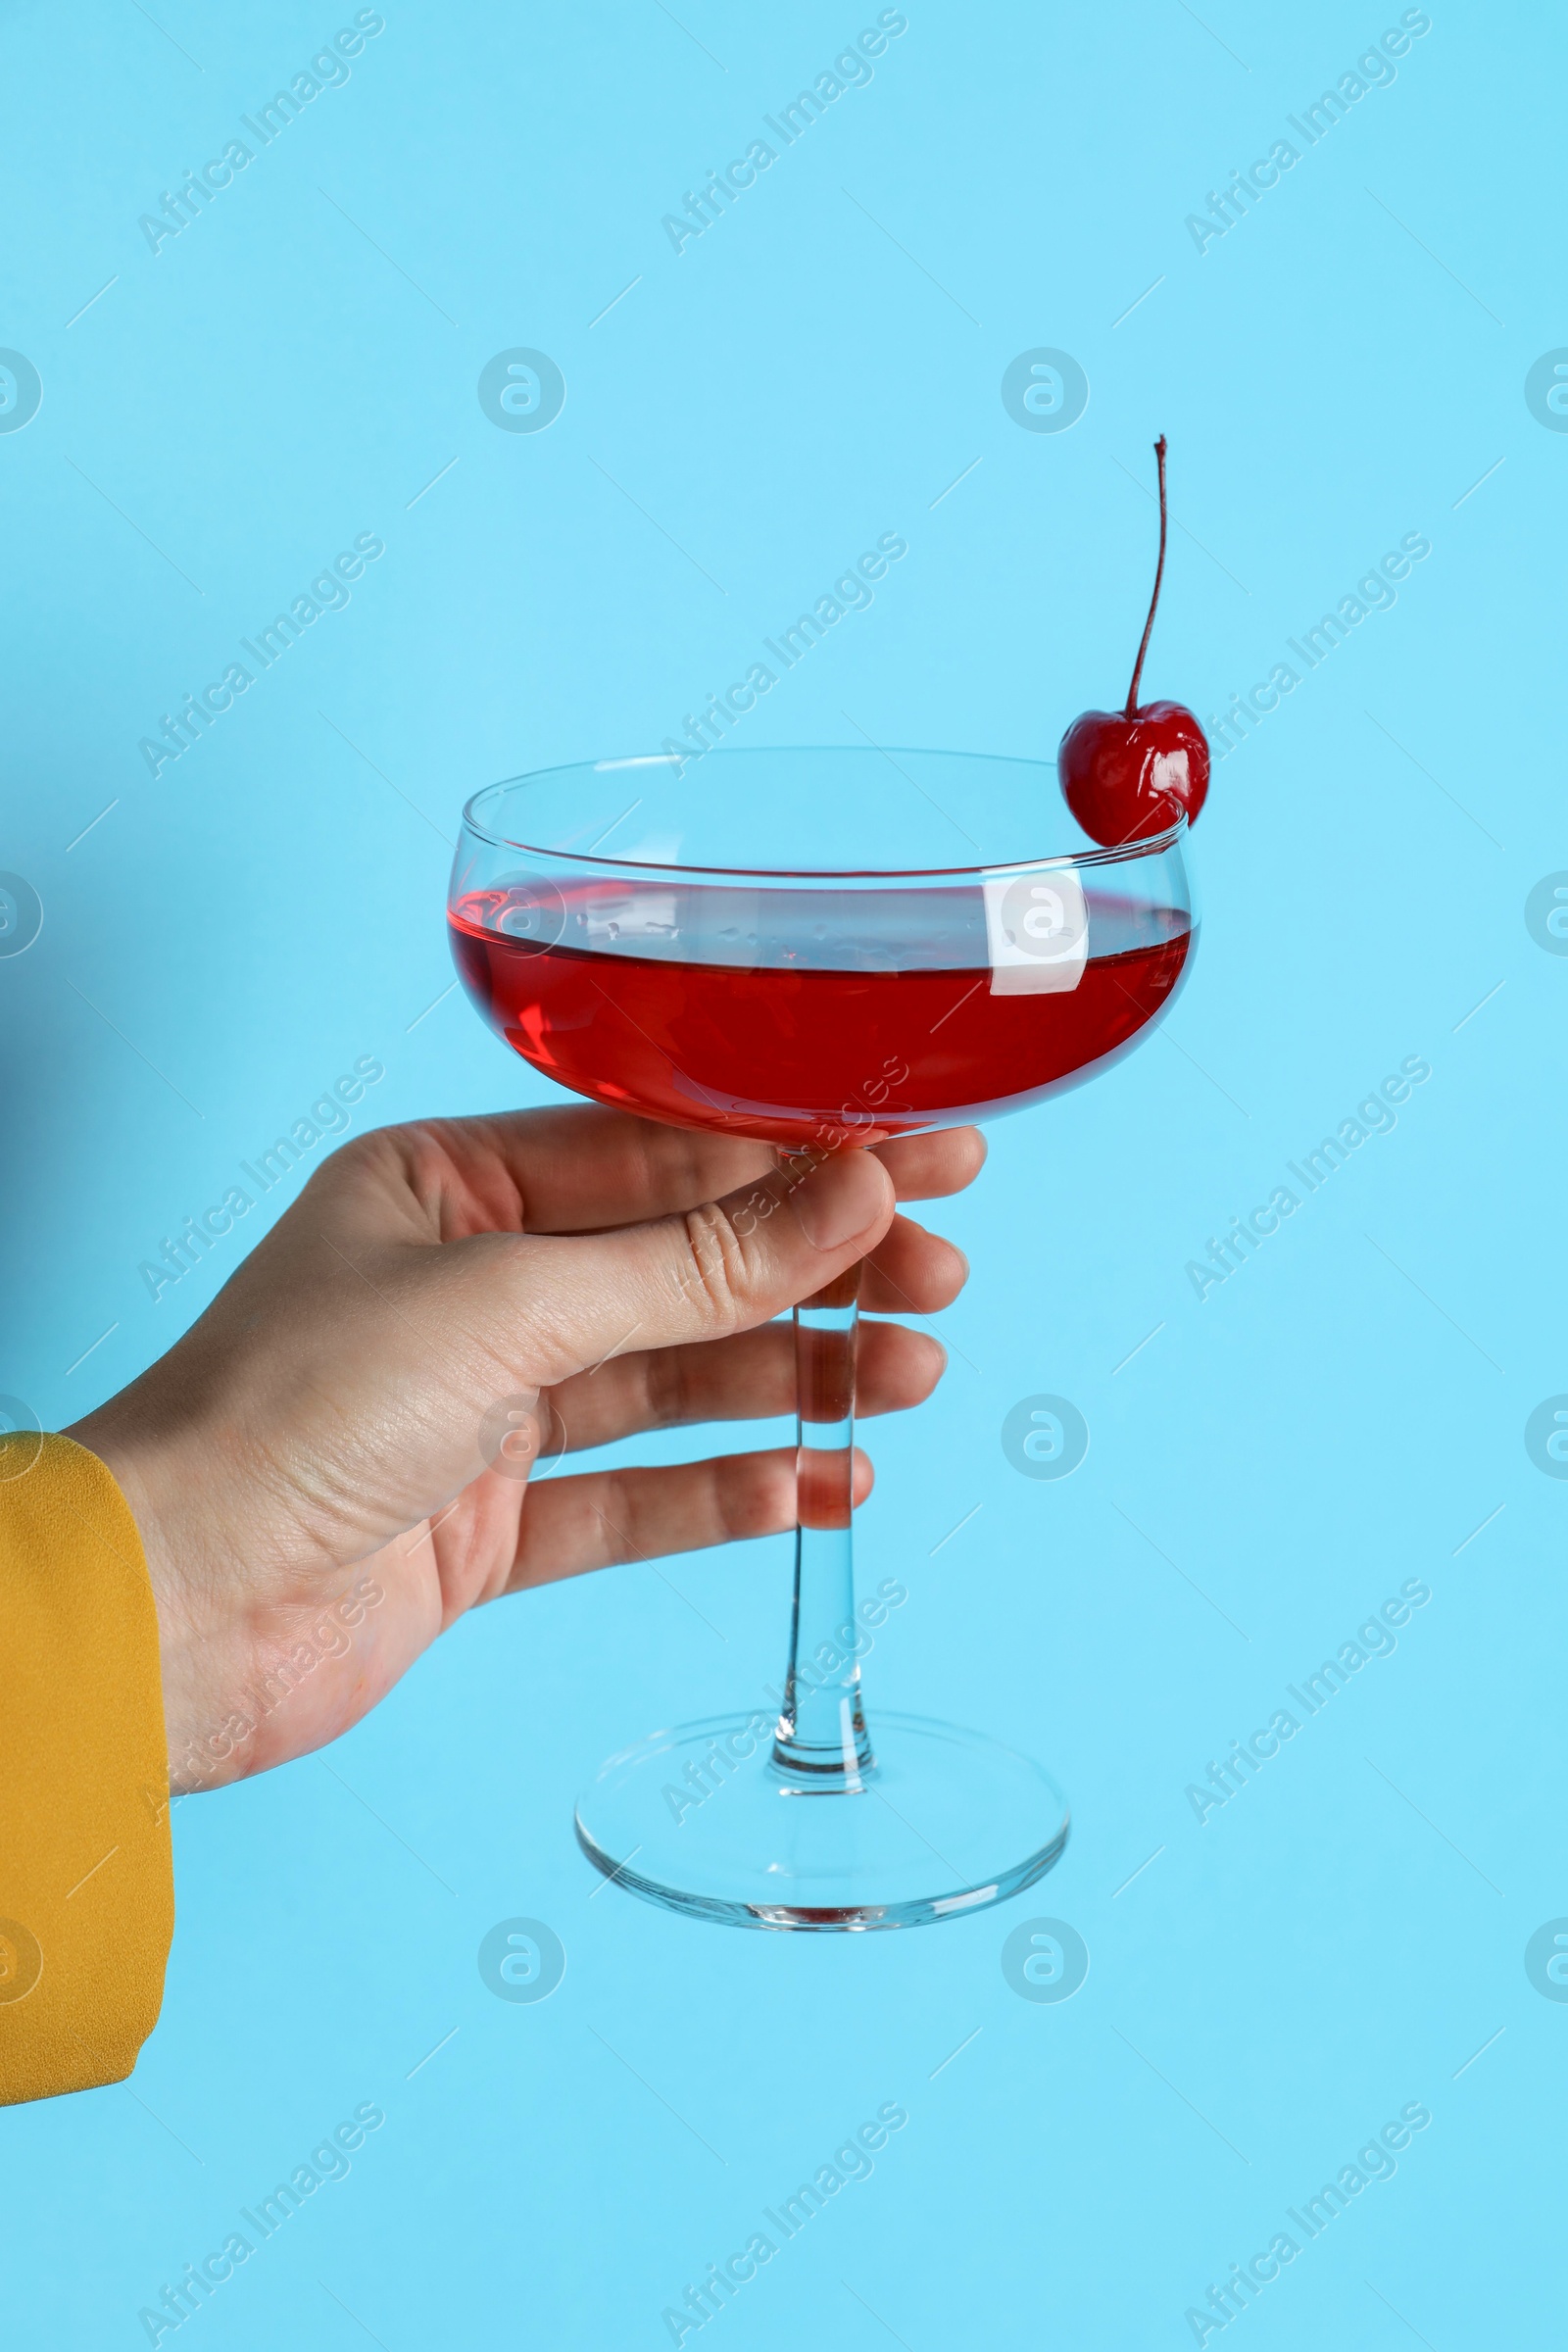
x,y
1337,371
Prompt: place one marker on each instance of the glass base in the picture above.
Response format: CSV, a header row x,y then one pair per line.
x,y
702,1819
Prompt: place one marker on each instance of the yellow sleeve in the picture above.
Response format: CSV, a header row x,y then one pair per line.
x,y
86,1882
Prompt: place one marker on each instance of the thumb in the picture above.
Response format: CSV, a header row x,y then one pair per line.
x,y
558,1304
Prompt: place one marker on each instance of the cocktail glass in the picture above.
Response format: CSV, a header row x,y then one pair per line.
x,y
822,948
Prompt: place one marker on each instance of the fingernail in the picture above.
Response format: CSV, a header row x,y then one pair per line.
x,y
841,1199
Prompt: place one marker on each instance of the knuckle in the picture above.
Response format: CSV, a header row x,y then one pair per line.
x,y
427,1168
718,1272
344,1167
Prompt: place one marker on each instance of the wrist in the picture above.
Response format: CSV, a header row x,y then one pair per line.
x,y
151,1484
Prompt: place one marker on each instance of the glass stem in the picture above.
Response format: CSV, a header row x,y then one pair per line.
x,y
822,1740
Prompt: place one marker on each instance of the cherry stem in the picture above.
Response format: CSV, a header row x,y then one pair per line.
x,y
1159,575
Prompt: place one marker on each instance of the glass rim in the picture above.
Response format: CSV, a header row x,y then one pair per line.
x,y
1151,845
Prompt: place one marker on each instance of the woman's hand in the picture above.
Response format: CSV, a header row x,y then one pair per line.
x,y
331,1465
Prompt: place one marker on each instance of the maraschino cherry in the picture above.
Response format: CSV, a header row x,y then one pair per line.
x,y
1128,774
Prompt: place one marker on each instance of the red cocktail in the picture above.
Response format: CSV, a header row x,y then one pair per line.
x,y
778,1050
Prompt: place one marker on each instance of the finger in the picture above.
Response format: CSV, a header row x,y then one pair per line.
x,y
568,1171
607,1517
912,1272
930,1168
581,1169
744,1378
548,1306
